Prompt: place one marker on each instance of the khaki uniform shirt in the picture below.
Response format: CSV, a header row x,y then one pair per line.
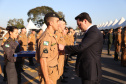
x,y
66,38
24,42
32,40
71,40
38,35
60,40
47,48
118,39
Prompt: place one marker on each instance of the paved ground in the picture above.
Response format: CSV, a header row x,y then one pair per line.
x,y
112,71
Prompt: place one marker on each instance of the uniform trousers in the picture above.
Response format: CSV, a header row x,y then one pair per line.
x,y
11,73
60,65
53,75
109,47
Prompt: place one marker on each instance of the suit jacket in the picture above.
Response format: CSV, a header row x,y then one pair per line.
x,y
88,62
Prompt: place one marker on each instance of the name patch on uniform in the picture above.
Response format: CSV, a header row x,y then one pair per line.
x,y
45,50
19,36
7,45
46,43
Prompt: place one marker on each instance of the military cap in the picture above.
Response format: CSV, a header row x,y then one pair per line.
x,y
62,19
33,29
51,14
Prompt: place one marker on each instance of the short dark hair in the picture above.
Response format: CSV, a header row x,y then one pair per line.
x,y
83,16
11,28
23,27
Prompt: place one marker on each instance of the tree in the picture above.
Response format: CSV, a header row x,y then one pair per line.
x,y
19,23
61,15
37,14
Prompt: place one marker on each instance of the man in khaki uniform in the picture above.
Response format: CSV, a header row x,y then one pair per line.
x,y
47,51
123,56
31,45
22,39
117,43
61,40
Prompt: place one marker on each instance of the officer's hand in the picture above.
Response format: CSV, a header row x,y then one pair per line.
x,y
61,47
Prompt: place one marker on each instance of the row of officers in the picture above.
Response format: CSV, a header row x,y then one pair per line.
x,y
118,38
51,59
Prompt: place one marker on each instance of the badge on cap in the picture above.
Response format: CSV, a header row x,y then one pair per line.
x,y
45,50
7,45
46,43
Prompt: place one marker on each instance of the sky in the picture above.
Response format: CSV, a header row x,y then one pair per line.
x,y
99,10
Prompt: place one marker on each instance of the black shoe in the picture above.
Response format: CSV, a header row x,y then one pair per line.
x,y
63,81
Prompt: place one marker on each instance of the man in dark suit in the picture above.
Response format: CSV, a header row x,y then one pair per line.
x,y
88,63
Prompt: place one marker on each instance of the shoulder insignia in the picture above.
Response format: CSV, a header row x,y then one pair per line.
x,y
45,50
7,45
46,43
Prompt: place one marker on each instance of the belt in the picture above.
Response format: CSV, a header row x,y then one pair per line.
x,y
53,66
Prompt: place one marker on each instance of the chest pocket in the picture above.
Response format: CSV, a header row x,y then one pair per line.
x,y
53,46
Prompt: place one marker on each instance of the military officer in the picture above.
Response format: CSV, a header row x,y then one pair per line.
x,y
117,43
22,39
47,51
123,56
12,66
61,40
110,39
31,45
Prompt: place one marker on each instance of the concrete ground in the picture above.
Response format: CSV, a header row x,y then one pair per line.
x,y
112,71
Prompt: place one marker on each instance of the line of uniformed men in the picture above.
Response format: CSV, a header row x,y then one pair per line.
x,y
119,43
